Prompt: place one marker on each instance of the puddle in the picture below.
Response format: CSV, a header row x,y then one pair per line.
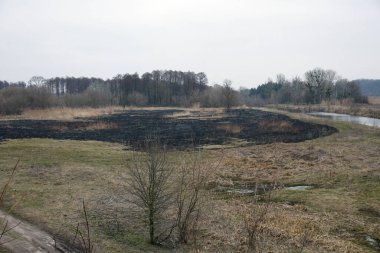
x,y
241,191
299,188
372,242
258,190
253,190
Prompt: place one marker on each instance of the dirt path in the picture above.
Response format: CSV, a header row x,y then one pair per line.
x,y
27,238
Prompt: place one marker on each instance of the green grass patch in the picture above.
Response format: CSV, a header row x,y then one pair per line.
x,y
50,153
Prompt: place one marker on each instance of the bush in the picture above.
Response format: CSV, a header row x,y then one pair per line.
x,y
137,98
89,98
14,100
169,203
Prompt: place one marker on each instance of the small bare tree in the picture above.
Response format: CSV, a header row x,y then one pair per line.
x,y
189,199
82,234
37,81
149,184
228,93
4,226
81,240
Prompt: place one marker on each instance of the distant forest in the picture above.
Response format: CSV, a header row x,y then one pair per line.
x,y
369,87
318,85
173,88
155,88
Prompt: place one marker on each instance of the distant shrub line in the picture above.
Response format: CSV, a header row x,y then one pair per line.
x,y
172,88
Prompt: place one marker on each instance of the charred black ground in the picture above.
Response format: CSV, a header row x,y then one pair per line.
x,y
196,128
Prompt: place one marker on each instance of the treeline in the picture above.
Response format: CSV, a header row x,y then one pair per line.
x,y
5,84
161,88
319,85
158,88
173,88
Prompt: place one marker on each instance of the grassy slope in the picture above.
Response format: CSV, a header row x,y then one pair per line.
x,y
344,168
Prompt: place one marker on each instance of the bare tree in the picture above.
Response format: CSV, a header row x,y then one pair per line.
x,y
228,93
281,79
37,81
149,184
319,83
189,199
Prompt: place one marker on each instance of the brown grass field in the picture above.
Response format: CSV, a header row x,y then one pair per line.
x,y
338,214
374,100
68,113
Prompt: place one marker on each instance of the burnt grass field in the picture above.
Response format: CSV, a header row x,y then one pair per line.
x,y
187,130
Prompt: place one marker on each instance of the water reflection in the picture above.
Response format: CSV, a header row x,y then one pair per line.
x,y
348,118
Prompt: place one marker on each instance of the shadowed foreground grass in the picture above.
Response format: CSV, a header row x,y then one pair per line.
x,y
337,214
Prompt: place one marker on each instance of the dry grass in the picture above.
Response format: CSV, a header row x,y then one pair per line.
x,y
63,113
278,126
343,181
181,114
230,128
68,113
343,169
282,229
374,100
200,114
92,126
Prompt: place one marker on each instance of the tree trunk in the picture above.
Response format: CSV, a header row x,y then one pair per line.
x,y
151,227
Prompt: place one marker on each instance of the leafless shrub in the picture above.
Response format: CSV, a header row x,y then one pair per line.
x,y
254,231
77,238
171,200
137,98
89,98
212,97
149,187
229,94
303,241
82,234
4,226
14,100
254,215
189,199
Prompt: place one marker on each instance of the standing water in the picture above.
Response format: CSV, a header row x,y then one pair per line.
x,y
348,118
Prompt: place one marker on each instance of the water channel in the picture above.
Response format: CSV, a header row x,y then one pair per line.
x,y
348,118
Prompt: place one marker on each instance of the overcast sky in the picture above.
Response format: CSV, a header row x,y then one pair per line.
x,y
247,41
